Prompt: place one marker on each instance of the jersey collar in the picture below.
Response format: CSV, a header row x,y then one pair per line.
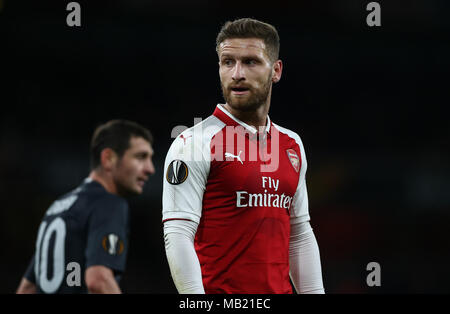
x,y
223,114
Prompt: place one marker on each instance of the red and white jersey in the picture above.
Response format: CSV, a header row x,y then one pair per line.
x,y
243,188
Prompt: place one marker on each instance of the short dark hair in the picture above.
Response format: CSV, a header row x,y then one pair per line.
x,y
251,28
116,135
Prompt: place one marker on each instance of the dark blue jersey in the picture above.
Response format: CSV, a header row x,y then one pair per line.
x,y
85,227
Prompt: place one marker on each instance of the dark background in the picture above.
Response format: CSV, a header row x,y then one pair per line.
x,y
369,104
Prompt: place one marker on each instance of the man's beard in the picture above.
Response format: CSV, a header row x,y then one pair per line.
x,y
256,99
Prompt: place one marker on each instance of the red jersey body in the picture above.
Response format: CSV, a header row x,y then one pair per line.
x,y
243,188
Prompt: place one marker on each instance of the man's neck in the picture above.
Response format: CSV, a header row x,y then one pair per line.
x,y
257,118
105,180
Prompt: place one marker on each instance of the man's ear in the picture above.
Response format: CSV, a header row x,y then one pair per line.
x,y
108,158
277,69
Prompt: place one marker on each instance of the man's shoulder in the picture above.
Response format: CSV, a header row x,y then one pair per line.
x,y
66,201
205,129
108,201
197,137
288,133
93,197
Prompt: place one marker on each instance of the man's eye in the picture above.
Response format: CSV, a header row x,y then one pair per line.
x,y
250,61
227,62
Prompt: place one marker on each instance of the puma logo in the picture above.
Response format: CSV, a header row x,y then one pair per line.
x,y
185,138
238,157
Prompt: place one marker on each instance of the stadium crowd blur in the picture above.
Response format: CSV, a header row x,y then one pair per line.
x,y
367,102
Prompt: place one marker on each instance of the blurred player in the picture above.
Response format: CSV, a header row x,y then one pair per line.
x,y
235,204
89,225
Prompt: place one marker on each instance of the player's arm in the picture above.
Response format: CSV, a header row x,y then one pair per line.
x,y
27,284
100,279
304,256
304,259
26,287
183,260
186,172
107,244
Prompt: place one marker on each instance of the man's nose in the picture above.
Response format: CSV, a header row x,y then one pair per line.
x,y
149,167
238,72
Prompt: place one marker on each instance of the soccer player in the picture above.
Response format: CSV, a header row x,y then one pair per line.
x,y
89,226
235,204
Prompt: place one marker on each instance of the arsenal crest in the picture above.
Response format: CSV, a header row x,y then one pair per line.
x,y
293,157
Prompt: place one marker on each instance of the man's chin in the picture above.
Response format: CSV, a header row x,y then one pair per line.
x,y
242,104
131,191
137,190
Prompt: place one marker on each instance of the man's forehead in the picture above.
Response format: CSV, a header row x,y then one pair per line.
x,y
242,43
139,143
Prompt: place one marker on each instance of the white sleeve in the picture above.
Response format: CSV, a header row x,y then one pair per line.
x,y
299,208
186,170
183,261
304,259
